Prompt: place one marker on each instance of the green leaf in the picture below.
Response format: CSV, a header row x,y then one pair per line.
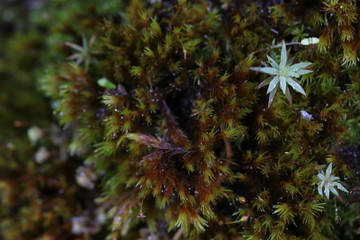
x,y
329,169
321,175
292,74
320,189
303,71
269,70
273,62
295,86
104,82
283,83
74,46
327,192
271,96
264,83
288,95
273,84
333,178
334,191
257,69
341,187
283,59
298,66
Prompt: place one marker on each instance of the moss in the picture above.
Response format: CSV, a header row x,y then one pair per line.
x,y
184,145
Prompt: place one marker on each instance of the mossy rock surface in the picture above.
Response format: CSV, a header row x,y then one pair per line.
x,y
163,128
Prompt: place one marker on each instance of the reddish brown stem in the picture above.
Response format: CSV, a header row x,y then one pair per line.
x,y
178,234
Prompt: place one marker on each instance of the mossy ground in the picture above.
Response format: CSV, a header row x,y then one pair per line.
x,y
185,145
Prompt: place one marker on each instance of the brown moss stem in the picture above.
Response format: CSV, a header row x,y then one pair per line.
x,y
178,234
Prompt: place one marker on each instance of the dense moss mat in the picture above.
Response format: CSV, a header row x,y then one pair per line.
x,y
176,140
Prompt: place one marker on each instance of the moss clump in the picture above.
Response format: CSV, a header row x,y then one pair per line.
x,y
176,138
40,195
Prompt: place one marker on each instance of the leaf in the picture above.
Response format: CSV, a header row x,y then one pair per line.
x,y
341,187
273,63
293,74
271,97
85,43
295,86
328,170
321,176
334,191
298,66
320,189
74,46
283,83
333,178
288,95
264,83
104,82
303,71
269,70
92,40
273,84
327,193
283,59
257,69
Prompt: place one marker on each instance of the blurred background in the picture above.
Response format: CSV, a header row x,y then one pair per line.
x,y
45,192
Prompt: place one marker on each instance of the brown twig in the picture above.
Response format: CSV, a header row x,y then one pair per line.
x,y
228,150
275,46
178,234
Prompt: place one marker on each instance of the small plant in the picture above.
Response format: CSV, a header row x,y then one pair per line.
x,y
328,183
299,33
104,82
283,73
84,52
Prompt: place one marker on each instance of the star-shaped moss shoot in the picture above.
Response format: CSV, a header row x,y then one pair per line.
x,y
84,52
328,183
283,74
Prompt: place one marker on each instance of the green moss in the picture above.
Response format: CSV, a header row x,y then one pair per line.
x,y
182,145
